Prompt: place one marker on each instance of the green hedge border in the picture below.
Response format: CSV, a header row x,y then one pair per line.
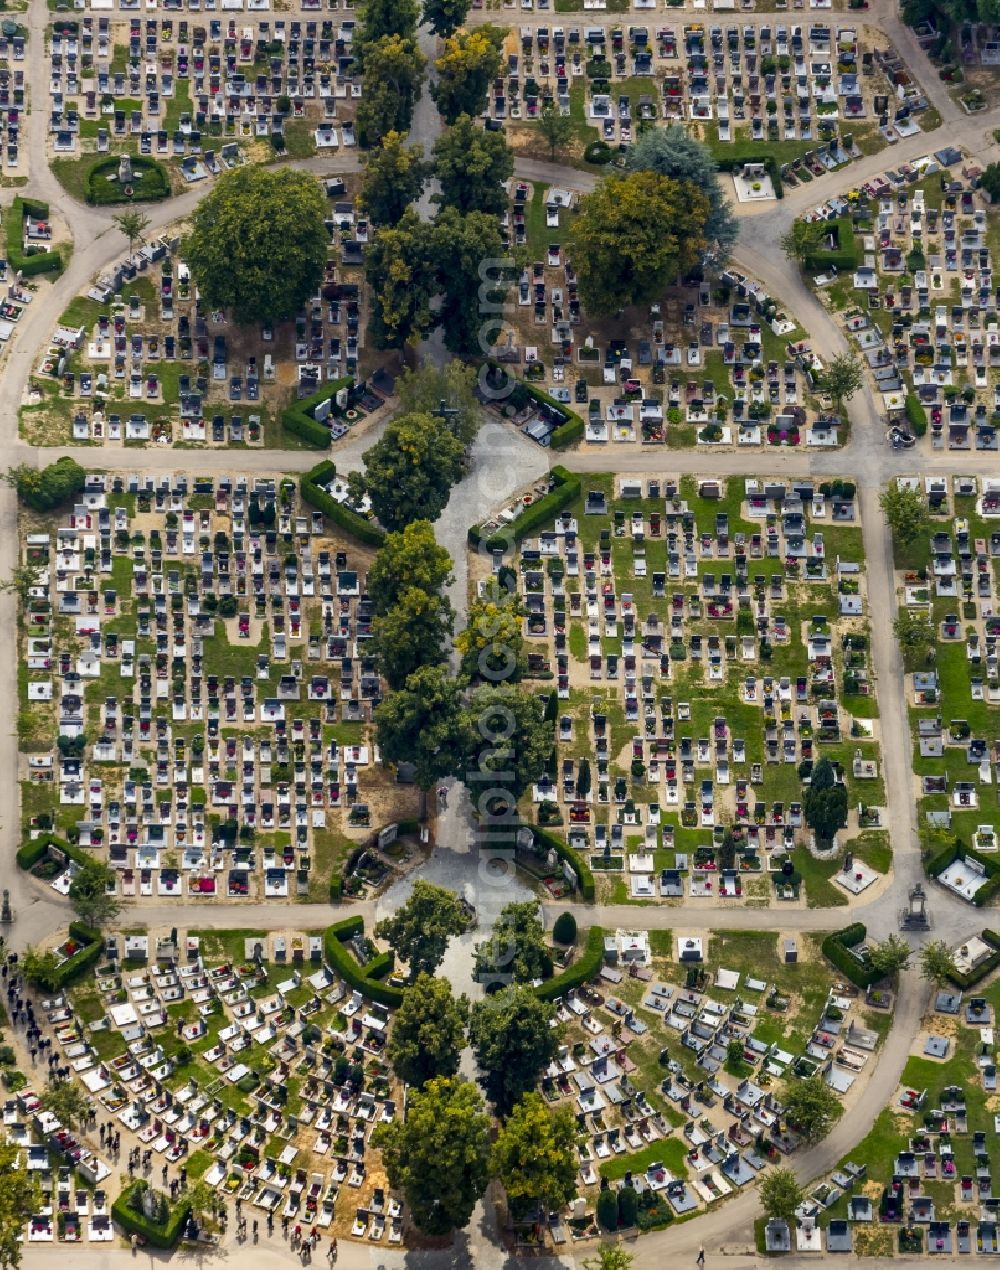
x,y
916,415
844,258
42,262
837,949
166,1236
32,851
298,417
566,489
568,432
586,967
564,851
959,851
366,978
112,161
985,967
350,522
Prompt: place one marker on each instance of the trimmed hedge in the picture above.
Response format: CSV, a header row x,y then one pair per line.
x,y
298,417
150,183
364,978
585,968
837,948
916,415
959,851
165,1236
845,258
566,488
568,432
32,851
573,858
350,522
40,262
985,967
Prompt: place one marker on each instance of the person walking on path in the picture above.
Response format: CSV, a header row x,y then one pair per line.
x,y
701,1256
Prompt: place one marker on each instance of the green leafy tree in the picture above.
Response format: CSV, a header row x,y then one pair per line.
x,y
22,581
380,18
556,129
514,1042
92,894
40,968
937,963
401,272
43,489
466,68
811,1107
409,558
428,1032
780,1194
633,236
843,377
20,1196
825,802
583,779
536,1156
905,511
610,1257
424,723
674,153
466,247
66,1101
915,637
516,947
133,225
734,1053
394,178
472,165
492,643
509,734
802,240
890,956
449,389
258,243
390,87
990,181
413,634
420,929
438,1157
445,16
410,470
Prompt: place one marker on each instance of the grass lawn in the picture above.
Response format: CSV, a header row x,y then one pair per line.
x,y
670,1152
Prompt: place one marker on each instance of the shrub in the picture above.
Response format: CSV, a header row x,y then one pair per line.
x,y
299,416
564,851
628,1206
566,489
837,948
564,929
40,262
607,1209
598,152
916,415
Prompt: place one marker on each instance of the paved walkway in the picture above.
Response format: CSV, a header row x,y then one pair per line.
x,y
502,462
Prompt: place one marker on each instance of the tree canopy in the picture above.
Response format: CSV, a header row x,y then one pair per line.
x,y
492,643
420,929
258,243
825,802
509,734
410,470
424,723
905,511
439,1155
516,949
801,240
937,963
412,635
674,153
915,637
465,70
843,377
428,1031
401,271
394,178
890,956
535,1156
633,235
43,489
780,1194
380,18
66,1100
390,87
811,1107
467,246
451,387
408,558
556,128
95,904
445,16
513,1041
471,166
19,1198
